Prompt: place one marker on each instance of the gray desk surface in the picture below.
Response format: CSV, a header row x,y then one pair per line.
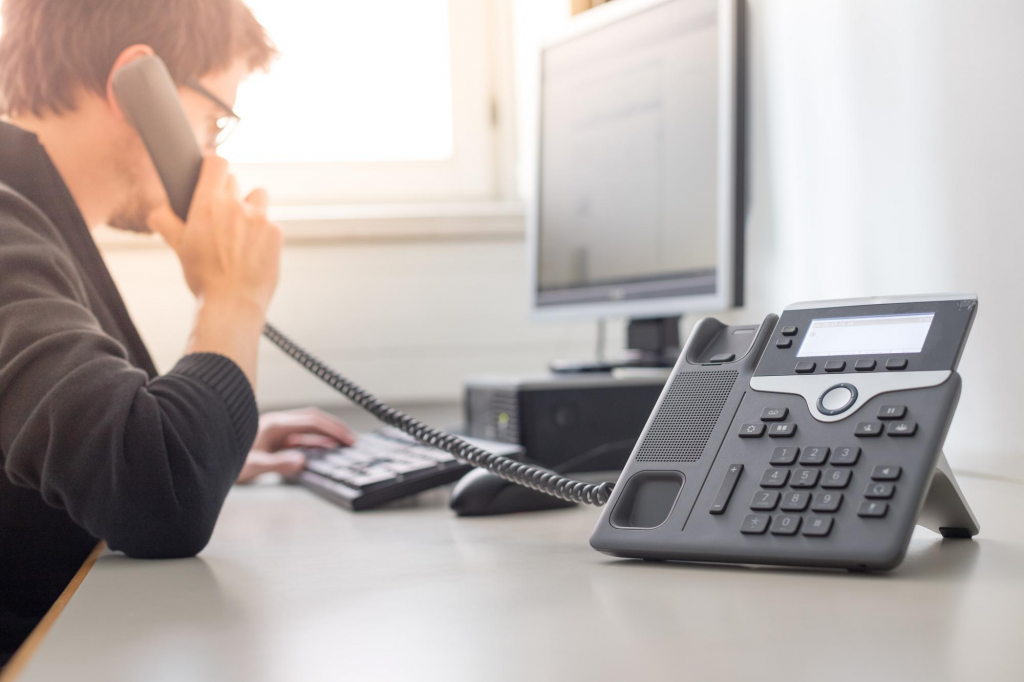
x,y
293,588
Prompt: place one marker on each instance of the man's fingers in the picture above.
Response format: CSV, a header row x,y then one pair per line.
x,y
212,176
258,199
167,224
310,440
286,463
327,425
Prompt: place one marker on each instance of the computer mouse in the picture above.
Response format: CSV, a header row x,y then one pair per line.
x,y
481,493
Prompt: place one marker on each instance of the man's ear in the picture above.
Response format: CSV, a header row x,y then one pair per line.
x,y
129,54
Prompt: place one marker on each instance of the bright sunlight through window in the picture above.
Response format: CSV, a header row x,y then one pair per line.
x,y
358,80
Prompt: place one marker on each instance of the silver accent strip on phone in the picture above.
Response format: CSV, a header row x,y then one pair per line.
x,y
811,386
881,300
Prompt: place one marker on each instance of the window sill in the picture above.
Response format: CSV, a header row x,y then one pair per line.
x,y
497,221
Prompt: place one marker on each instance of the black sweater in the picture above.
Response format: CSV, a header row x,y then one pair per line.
x,y
93,444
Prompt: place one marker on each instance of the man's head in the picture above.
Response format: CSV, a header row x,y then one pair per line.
x,y
56,63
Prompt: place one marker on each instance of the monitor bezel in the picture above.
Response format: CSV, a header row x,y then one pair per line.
x,y
731,149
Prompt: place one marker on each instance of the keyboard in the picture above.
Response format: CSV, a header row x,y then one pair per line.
x,y
385,465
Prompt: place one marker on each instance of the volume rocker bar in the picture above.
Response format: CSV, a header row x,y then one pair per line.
x,y
732,475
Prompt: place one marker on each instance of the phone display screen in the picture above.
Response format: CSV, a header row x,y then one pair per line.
x,y
877,335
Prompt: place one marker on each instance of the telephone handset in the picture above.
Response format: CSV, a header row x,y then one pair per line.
x,y
148,96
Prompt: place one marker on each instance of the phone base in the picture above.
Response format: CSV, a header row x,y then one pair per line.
x,y
945,508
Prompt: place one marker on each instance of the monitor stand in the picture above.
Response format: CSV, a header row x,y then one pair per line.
x,y
652,342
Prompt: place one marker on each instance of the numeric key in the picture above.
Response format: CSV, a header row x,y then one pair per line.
x,y
805,478
845,457
827,502
774,478
836,478
764,500
814,454
795,501
785,524
784,456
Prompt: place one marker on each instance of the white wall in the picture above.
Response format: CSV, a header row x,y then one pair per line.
x,y
887,156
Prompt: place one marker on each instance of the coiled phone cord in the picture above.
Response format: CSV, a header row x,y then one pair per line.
x,y
539,479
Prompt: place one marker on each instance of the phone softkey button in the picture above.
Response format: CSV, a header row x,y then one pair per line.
x,y
755,524
785,524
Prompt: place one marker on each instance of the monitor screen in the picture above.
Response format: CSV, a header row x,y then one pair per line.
x,y
629,193
879,335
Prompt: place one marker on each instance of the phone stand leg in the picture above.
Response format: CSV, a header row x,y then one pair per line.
x,y
945,509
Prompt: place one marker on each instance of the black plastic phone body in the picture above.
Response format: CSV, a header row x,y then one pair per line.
x,y
149,99
706,481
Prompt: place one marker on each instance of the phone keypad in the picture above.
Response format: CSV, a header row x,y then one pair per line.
x,y
805,487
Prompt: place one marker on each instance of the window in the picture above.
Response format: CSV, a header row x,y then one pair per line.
x,y
372,102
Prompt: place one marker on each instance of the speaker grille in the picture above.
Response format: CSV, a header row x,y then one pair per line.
x,y
687,417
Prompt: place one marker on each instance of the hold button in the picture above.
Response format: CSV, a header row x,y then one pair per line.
x,y
837,399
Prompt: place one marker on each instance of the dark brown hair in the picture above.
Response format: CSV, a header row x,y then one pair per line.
x,y
51,49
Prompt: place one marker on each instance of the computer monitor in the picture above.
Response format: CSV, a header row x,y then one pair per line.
x,y
638,209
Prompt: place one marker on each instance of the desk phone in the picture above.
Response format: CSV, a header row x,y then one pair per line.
x,y
811,440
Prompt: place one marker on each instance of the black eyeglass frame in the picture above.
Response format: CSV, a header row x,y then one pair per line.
x,y
223,132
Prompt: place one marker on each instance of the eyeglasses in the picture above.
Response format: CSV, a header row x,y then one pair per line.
x,y
222,127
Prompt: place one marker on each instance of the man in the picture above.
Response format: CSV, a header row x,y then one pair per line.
x,y
94,445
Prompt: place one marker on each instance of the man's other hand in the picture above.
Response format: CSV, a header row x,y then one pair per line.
x,y
281,433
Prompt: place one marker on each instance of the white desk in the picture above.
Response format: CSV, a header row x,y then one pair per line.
x,y
293,588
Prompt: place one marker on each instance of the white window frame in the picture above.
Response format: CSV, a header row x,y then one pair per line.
x,y
479,169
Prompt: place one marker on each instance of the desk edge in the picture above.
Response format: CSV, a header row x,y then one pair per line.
x,y
16,666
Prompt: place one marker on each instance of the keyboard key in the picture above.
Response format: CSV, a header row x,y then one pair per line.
x,y
805,478
902,429
817,526
781,430
775,478
752,430
880,491
872,509
785,524
764,500
845,457
892,412
814,454
804,367
827,502
774,414
784,455
795,501
868,429
886,472
836,478
732,475
755,524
